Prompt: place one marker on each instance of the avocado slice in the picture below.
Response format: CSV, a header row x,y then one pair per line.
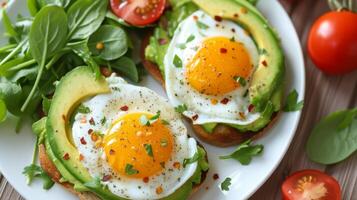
x,y
270,72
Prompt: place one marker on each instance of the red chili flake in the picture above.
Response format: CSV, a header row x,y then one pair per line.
x,y
111,152
105,71
223,50
162,41
195,117
218,18
124,108
66,156
83,141
195,17
177,165
225,101
106,178
265,63
90,131
159,190
81,157
146,179
215,176
91,121
236,15
251,107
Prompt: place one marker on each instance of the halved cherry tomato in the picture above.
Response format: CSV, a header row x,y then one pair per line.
x,y
332,42
310,185
138,12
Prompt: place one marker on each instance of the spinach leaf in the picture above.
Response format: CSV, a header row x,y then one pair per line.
x,y
47,36
245,152
62,3
108,42
3,110
33,7
334,138
32,171
11,94
10,29
292,103
126,67
85,17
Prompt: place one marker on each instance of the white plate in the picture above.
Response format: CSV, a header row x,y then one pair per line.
x,y
16,149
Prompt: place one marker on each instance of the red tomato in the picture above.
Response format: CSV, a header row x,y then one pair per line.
x,y
332,42
138,12
309,185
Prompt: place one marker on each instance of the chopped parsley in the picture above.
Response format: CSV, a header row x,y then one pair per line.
x,y
191,160
165,122
181,108
202,25
181,46
130,170
163,142
240,80
83,109
190,38
233,39
148,149
177,62
103,120
147,122
226,183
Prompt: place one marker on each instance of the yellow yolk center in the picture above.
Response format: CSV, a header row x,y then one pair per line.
x,y
138,150
216,66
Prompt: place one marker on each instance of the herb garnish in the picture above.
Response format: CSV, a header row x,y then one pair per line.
x,y
130,170
240,80
292,103
177,62
181,108
202,25
245,152
226,183
191,160
83,109
163,142
147,122
148,149
165,122
190,38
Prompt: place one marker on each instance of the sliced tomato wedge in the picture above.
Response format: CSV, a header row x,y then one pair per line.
x,y
138,12
311,185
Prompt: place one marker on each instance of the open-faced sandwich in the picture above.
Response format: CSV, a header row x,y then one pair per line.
x,y
107,139
222,66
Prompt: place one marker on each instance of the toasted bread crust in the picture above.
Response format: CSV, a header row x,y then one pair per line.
x,y
222,135
48,166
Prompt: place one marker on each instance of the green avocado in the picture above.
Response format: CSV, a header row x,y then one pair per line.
x,y
77,85
270,72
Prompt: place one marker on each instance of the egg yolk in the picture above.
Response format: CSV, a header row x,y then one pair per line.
x,y
217,64
138,150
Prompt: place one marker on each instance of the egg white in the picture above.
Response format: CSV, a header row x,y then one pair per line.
x,y
178,89
138,99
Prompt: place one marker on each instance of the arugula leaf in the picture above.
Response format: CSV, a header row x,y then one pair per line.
x,y
148,149
33,171
47,36
113,42
226,183
85,17
177,62
83,109
3,110
202,25
191,160
292,103
181,108
130,170
245,152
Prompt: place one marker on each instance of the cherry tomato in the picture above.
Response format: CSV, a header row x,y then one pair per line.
x,y
138,12
309,185
332,42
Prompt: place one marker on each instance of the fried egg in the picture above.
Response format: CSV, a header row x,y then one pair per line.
x,y
208,67
134,142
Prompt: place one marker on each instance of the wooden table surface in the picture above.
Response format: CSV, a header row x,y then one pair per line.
x,y
324,94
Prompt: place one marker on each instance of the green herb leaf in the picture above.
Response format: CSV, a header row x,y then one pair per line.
x,y
191,160
181,46
47,37
3,110
165,122
83,109
263,52
181,108
190,38
85,17
147,122
333,139
10,29
33,7
177,62
130,170
226,183
240,80
202,25
148,149
103,120
34,171
292,103
113,39
46,104
126,67
164,142
233,39
245,152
